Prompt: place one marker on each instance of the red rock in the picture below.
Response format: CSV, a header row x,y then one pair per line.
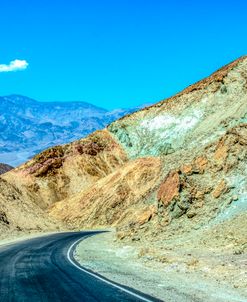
x,y
169,188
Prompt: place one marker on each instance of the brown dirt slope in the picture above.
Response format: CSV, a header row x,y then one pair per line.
x,y
62,171
115,199
18,214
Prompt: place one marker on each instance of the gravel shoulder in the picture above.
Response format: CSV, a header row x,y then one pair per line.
x,y
171,281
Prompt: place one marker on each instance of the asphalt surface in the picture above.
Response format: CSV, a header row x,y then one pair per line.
x,y
43,269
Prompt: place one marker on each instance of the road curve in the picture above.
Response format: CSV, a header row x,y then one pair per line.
x,y
43,269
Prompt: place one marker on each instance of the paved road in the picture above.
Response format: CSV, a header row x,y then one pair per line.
x,y
43,269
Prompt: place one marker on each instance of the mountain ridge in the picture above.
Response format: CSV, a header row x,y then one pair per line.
x,y
217,76
5,168
28,126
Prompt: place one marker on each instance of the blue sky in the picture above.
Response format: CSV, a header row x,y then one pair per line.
x,y
115,53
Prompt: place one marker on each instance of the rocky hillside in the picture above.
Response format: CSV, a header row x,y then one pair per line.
x,y
19,213
62,171
185,155
55,174
162,172
5,168
27,127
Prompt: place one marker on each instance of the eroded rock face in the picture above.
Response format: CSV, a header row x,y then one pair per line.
x,y
169,189
18,213
62,171
207,185
115,199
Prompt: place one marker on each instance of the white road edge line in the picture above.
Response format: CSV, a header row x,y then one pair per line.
x,y
102,279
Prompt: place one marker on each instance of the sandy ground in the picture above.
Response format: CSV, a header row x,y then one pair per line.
x,y
180,281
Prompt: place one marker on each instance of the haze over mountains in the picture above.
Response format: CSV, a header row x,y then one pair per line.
x,y
28,126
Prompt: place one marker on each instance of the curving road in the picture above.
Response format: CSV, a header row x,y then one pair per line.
x,y
43,269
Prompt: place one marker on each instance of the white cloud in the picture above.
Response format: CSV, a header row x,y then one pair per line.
x,y
14,66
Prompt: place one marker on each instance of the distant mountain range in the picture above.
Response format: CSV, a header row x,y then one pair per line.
x,y
28,126
4,168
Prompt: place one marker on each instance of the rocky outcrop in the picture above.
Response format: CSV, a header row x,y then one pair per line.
x,y
169,189
118,198
208,190
62,171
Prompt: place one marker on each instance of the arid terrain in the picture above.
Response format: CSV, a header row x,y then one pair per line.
x,y
170,178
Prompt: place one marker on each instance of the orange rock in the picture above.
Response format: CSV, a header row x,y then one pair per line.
x,y
200,164
146,215
220,189
221,153
169,188
187,169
